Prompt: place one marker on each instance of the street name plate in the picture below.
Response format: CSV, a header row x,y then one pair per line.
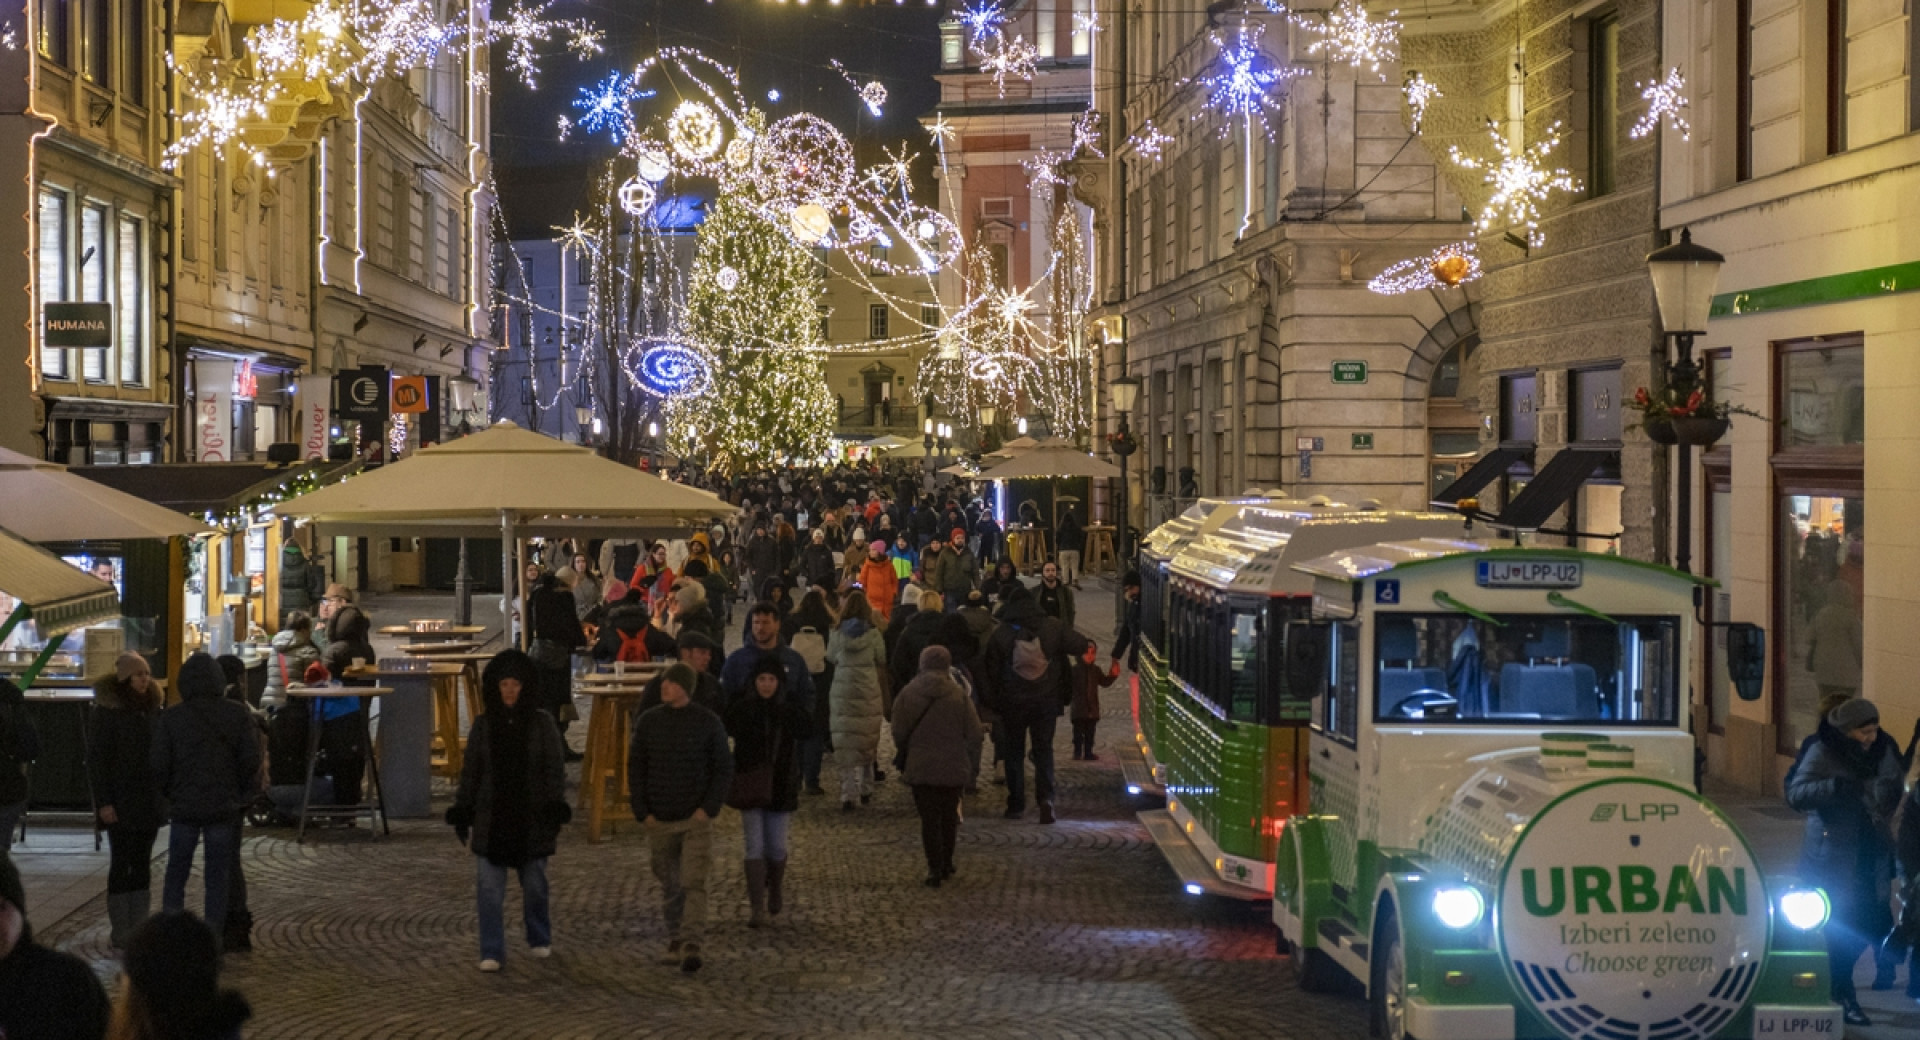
x,y
1363,442
1349,371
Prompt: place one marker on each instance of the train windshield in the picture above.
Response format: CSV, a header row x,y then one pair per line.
x,y
1527,669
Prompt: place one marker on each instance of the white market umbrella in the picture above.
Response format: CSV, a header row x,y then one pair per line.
x,y
1014,448
1052,459
41,502
886,442
54,594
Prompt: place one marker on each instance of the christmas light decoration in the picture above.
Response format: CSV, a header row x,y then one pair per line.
x,y
636,197
1520,181
694,131
606,106
1420,93
1349,35
728,278
1243,83
1666,99
672,370
872,93
983,20
1149,141
1447,267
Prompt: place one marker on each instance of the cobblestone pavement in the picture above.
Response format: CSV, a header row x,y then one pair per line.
x,y
1073,930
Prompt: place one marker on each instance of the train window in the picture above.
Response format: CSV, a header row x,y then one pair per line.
x,y
1245,666
1342,711
1527,670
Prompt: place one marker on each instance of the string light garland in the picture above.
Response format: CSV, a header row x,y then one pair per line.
x,y
872,93
1349,35
1447,267
1420,92
1666,99
1520,181
1149,142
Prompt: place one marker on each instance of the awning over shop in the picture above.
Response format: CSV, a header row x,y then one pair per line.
x,y
1552,487
1480,474
42,501
58,596
220,488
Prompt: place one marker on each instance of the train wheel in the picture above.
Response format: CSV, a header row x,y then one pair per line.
x,y
1388,992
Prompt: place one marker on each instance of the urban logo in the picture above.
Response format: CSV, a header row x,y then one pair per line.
x,y
1644,813
1639,890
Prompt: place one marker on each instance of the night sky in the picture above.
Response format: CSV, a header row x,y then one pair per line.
x,y
780,46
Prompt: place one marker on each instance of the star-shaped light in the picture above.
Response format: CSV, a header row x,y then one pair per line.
x,y
604,106
1243,85
1352,36
1420,92
1520,181
983,19
1149,141
1666,99
940,131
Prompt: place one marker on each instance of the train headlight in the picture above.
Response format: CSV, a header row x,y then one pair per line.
x,y
1458,906
1805,908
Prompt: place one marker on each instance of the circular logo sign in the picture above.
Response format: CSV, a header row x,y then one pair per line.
x,y
1632,907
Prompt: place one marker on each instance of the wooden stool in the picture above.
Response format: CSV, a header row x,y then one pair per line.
x,y
605,758
1028,549
1100,555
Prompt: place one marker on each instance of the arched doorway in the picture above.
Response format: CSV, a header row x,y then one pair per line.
x,y
1453,399
877,379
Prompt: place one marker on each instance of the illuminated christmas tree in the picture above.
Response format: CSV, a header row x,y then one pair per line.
x,y
752,304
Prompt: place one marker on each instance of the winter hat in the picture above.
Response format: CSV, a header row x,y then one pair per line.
x,y
128,665
201,676
1853,714
693,639
509,664
695,568
961,531
937,659
173,959
616,590
768,664
683,676
819,535
315,675
566,576
689,593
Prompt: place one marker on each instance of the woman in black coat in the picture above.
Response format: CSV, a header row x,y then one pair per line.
x,y
557,633
766,729
1849,783
119,765
512,802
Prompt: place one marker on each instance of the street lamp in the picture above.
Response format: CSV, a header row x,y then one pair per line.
x,y
1125,390
584,416
1684,277
460,391
1021,426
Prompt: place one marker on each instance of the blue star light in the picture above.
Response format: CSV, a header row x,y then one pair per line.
x,y
1243,84
983,19
606,106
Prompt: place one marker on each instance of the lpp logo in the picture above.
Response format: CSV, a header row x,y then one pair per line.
x,y
1645,812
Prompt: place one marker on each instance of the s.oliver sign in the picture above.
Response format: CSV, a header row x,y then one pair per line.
x,y
1635,902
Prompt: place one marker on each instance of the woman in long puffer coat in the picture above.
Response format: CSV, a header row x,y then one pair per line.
x,y
1849,784
859,700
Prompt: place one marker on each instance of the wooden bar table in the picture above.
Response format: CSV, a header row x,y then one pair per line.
x,y
613,696
451,646
406,729
314,695
429,630
446,704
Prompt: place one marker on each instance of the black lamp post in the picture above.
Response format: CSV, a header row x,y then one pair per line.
x,y
460,390
1126,390
1684,277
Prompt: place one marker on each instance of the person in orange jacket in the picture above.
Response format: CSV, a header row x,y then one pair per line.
x,y
878,580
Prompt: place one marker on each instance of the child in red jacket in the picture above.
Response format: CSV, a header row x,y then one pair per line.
x,y
1084,708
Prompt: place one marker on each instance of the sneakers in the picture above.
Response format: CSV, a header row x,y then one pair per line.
x,y
690,958
1046,812
542,952
489,965
672,956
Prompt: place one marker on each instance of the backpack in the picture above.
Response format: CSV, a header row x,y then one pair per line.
x,y
1029,659
633,648
812,648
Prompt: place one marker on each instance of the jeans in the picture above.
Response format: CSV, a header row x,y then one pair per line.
x,y
10,824
1083,738
1018,732
222,841
765,832
813,752
939,809
490,897
682,854
130,858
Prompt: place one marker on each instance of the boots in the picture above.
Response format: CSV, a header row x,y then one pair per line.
x,y
776,878
757,892
125,912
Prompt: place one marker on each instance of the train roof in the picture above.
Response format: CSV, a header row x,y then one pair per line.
x,y
1166,541
1251,551
1368,561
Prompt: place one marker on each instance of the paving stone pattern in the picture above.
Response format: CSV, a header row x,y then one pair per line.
x,y
1074,930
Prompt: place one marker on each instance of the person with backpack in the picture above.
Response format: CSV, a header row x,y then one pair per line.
x,y
511,803
1025,672
628,634
859,699
766,730
806,631
206,763
19,745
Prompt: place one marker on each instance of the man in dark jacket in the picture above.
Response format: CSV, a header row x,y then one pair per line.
x,y
44,994
760,555
1127,640
1849,784
19,745
1054,595
1025,668
630,623
763,637
678,772
921,631
206,759
957,571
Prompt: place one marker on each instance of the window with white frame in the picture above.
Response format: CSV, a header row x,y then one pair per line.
x,y
91,252
1082,28
94,285
130,264
930,315
55,281
877,321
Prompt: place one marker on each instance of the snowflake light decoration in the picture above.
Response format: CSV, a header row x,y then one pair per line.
x,y
1666,99
1150,141
526,27
1520,181
1420,92
983,19
1243,86
607,106
1451,265
1350,35
1015,58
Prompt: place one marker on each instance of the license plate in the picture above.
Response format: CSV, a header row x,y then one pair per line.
x,y
1529,574
1797,1022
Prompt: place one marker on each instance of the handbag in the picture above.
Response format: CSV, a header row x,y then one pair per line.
x,y
752,788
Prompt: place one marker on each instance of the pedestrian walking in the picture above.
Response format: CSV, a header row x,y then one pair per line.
x,y
817,565
920,632
1083,711
557,634
120,768
511,803
1849,784
859,699
679,773
806,631
1068,542
697,652
1025,671
958,570
934,725
172,986
878,581
206,764
1054,595
19,746
44,994
766,729
998,584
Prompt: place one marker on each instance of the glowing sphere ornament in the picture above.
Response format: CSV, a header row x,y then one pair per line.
x,y
694,131
636,197
812,223
727,278
652,163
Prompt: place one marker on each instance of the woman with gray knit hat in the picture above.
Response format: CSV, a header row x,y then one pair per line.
x,y
935,725
1849,785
